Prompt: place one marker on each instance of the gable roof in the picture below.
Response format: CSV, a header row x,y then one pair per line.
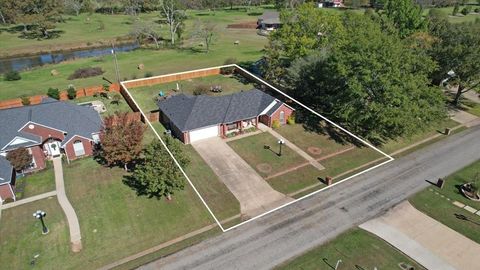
x,y
60,115
193,112
5,171
270,17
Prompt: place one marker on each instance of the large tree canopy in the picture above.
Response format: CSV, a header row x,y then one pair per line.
x,y
371,83
406,16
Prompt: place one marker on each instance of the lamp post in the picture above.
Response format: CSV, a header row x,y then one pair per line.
x,y
280,143
338,263
117,72
40,215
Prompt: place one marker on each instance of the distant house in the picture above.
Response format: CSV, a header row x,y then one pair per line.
x,y
269,21
193,118
330,3
7,180
49,129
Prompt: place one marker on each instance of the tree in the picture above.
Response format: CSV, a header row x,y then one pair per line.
x,y
406,16
206,32
121,139
42,14
53,93
19,158
457,50
372,84
25,100
71,92
141,30
174,13
157,175
456,8
74,5
304,30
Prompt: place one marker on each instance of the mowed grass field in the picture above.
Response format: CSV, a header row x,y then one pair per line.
x,y
189,56
357,249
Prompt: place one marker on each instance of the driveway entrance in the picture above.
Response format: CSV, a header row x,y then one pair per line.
x,y
250,189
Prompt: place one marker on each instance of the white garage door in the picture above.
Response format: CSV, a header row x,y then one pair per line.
x,y
203,133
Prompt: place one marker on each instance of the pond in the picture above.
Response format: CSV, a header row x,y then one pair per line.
x,y
28,62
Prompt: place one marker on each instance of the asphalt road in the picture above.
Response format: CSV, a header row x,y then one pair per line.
x,y
270,240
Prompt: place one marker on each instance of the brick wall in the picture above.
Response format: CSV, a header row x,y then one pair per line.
x,y
43,132
276,114
70,152
38,156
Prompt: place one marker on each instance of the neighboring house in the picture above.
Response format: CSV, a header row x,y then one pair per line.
x,y
330,3
193,118
269,21
50,129
7,180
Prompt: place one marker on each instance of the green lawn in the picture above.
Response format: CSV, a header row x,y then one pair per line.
x,y
459,18
357,249
21,237
252,150
444,211
111,107
163,61
220,200
296,180
146,96
304,139
35,183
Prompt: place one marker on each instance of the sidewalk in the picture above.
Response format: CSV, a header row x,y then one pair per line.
x,y
29,199
73,225
292,146
427,241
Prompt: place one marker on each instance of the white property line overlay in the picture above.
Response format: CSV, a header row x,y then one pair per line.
x,y
390,159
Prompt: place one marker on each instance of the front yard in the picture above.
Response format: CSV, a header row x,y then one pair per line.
x,y
35,183
146,96
357,249
266,161
431,202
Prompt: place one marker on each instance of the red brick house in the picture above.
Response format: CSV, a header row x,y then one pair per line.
x,y
193,118
49,129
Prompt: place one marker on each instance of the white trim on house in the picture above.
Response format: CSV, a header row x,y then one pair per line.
x,y
203,133
31,122
269,107
18,137
64,143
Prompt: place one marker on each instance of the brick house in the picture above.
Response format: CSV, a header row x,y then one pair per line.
x,y
49,129
7,180
193,118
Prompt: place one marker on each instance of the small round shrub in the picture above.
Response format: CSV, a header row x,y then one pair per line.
x,y
12,76
71,92
465,11
148,74
291,120
25,100
477,10
275,124
201,89
229,70
53,93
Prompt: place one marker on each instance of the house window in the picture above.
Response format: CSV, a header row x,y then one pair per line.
x,y
78,148
282,117
232,126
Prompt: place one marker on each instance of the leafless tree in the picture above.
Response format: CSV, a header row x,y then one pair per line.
x,y
174,13
206,32
143,29
74,5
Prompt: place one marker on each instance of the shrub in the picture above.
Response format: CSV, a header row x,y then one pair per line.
x,y
12,76
106,87
477,10
201,89
291,120
229,70
25,100
466,10
86,73
148,74
275,124
71,92
116,98
455,9
53,93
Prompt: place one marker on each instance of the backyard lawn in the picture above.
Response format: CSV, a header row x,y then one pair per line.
x,y
156,62
146,96
357,249
35,183
21,237
110,106
443,210
265,161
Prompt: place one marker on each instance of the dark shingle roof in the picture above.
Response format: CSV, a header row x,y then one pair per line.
x,y
5,171
193,112
64,116
270,17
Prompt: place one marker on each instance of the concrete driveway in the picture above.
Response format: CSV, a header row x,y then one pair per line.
x,y
250,189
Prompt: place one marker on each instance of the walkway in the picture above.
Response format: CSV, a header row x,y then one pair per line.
x,y
73,225
29,199
427,241
250,189
292,146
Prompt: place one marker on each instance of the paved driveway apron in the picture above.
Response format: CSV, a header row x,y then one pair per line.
x,y
250,189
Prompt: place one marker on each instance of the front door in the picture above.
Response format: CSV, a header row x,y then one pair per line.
x,y
282,117
54,148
